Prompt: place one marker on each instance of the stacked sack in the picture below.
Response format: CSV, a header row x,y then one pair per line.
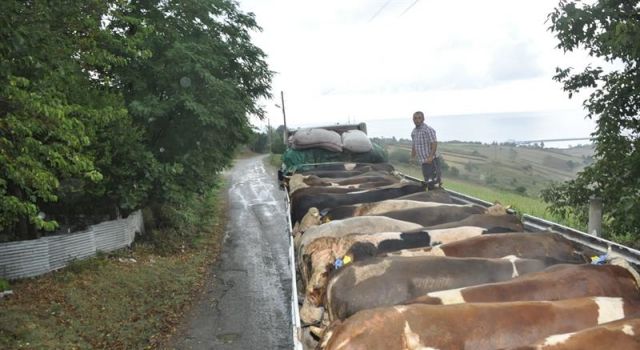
x,y
354,141
310,146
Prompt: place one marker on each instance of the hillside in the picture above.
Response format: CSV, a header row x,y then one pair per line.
x,y
525,170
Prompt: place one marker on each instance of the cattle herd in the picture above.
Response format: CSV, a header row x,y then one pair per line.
x,y
382,263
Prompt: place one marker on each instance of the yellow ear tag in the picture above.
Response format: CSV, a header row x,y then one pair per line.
x,y
346,259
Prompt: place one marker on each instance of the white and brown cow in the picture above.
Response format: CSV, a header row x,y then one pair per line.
x,y
367,180
318,257
533,245
617,335
381,207
301,201
563,281
341,228
477,326
393,280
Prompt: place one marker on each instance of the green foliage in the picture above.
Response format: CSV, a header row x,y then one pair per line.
x,y
521,190
277,141
171,227
444,166
608,30
400,155
99,118
4,285
49,102
194,94
259,142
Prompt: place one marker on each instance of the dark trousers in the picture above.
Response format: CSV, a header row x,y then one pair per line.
x,y
431,173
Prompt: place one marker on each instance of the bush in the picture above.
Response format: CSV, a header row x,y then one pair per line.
x,y
443,165
454,172
521,189
400,156
470,167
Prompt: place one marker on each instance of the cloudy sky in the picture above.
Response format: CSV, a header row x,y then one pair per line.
x,y
358,60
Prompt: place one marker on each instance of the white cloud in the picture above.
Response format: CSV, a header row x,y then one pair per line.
x,y
356,59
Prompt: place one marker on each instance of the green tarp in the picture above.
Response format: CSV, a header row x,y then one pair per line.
x,y
292,159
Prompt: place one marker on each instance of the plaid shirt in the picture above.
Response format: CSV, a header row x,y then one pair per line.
x,y
422,137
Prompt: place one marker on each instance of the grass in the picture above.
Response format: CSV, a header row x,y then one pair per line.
x,y
131,299
509,167
275,159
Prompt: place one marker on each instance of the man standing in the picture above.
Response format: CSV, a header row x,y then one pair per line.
x,y
424,147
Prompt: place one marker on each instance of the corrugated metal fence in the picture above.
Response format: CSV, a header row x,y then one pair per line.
x,y
39,256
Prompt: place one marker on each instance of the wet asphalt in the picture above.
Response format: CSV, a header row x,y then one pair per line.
x,y
246,302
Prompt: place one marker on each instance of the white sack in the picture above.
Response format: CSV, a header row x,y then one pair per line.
x,y
356,141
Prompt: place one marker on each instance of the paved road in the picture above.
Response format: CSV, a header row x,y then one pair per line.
x,y
246,301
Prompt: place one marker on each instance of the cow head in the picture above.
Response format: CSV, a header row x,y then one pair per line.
x,y
311,218
296,182
498,209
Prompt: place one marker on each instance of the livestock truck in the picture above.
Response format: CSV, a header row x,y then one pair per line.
x,y
379,262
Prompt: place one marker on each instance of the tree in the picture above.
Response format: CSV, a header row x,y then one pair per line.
x,y
607,30
51,98
192,97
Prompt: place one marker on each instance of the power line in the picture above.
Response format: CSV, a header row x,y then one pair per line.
x,y
409,8
379,10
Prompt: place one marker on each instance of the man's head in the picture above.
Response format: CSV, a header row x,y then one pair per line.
x,y
418,118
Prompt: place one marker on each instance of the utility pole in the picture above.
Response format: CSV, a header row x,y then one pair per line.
x,y
269,134
285,135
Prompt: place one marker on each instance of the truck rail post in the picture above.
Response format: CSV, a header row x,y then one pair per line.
x,y
595,216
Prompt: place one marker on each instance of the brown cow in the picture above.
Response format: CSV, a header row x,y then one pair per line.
x,y
493,224
367,180
475,326
393,280
382,207
617,335
301,204
346,166
320,254
436,195
557,282
544,244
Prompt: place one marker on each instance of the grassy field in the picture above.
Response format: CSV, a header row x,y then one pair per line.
x,y
493,180
131,299
525,170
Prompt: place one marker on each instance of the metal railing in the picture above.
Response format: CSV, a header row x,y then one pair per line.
x,y
36,257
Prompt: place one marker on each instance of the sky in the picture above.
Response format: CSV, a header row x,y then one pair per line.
x,y
341,61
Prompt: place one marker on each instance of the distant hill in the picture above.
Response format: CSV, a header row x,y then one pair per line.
x,y
523,169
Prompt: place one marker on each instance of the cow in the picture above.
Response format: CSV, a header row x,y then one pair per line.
x,y
392,280
301,204
436,195
563,281
616,335
318,257
382,207
532,245
362,167
347,171
367,180
492,223
477,326
360,224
